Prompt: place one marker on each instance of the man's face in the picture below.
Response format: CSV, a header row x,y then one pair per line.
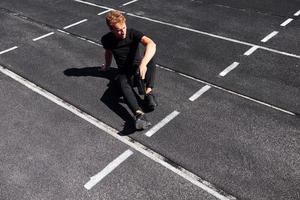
x,y
119,30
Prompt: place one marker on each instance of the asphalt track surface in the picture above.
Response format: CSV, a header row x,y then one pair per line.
x,y
238,139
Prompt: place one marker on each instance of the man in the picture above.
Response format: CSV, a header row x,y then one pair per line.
x,y
123,44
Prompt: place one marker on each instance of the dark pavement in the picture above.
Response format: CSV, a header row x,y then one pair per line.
x,y
234,136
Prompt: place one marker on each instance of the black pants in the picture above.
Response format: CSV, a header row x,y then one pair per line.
x,y
126,80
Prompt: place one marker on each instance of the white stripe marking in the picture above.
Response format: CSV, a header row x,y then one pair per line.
x,y
162,123
7,50
215,36
237,94
193,178
251,50
92,4
286,22
196,31
43,36
199,93
130,2
297,13
63,31
268,37
106,11
229,68
108,169
76,23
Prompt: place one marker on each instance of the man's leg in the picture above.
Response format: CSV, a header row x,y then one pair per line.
x,y
141,121
128,93
150,76
149,80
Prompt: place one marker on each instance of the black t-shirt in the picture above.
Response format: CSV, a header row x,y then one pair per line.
x,y
125,51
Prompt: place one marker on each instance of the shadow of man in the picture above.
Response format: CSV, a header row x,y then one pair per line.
x,y
112,96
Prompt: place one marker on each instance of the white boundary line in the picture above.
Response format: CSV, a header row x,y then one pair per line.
x,y
196,180
130,2
235,93
215,36
76,23
106,11
268,37
197,31
108,169
43,36
297,13
229,68
92,4
199,92
286,22
7,50
162,123
251,50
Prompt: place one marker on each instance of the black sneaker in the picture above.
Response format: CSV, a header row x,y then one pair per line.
x,y
150,101
141,122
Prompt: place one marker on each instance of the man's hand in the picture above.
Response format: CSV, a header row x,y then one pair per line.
x,y
104,67
143,70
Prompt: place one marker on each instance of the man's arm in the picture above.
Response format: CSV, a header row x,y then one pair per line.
x,y
150,49
108,59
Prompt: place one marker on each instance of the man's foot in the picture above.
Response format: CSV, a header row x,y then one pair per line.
x,y
141,122
150,101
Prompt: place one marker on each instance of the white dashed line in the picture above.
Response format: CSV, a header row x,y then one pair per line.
x,y
92,4
268,37
65,32
108,169
106,11
71,25
187,175
237,94
286,22
215,36
7,50
196,31
162,123
229,68
130,2
297,13
251,50
199,93
43,36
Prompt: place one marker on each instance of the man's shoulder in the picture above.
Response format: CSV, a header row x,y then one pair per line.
x,y
134,33
107,36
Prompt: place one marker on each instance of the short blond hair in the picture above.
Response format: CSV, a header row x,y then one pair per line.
x,y
114,17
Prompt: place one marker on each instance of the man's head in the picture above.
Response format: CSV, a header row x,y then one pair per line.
x,y
117,23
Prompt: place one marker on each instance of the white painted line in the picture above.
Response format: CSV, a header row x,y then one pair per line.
x,y
92,4
199,93
237,94
76,23
189,176
197,31
65,32
297,13
162,123
43,36
130,2
286,22
251,50
215,36
229,68
106,11
108,169
81,38
7,50
268,37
